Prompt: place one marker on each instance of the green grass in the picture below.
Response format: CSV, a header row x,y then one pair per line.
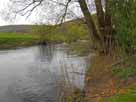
x,y
127,69
68,32
124,71
128,97
10,40
81,48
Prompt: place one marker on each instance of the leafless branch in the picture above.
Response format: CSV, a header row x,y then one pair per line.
x,y
26,8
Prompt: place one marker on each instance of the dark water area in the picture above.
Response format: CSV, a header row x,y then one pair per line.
x,y
36,74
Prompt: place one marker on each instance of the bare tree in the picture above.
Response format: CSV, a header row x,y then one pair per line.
x,y
62,10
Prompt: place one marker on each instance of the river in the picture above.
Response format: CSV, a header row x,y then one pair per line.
x,y
36,74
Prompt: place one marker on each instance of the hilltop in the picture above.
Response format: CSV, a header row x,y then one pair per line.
x,y
15,28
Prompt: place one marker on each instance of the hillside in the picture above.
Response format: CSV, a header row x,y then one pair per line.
x,y
27,28
15,28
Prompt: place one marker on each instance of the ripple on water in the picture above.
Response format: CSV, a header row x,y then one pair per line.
x,y
40,73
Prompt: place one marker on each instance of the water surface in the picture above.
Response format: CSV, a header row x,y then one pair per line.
x,y
36,74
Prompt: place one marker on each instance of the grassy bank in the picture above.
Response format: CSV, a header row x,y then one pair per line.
x,y
126,84
127,96
68,32
111,79
13,40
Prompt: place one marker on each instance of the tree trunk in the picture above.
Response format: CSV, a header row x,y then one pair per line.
x,y
108,38
105,24
100,16
108,22
89,21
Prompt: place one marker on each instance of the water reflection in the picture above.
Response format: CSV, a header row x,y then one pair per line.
x,y
38,73
46,53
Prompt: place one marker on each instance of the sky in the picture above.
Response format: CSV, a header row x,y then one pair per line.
x,y
2,5
19,20
34,17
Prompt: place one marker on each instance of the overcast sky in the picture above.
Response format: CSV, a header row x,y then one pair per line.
x,y
34,18
20,19
2,5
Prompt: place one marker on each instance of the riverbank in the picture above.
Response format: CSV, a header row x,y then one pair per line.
x,y
16,40
68,32
111,79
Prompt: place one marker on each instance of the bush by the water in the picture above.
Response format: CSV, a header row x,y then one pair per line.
x,y
67,32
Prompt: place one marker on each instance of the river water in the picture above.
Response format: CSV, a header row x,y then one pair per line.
x,y
36,74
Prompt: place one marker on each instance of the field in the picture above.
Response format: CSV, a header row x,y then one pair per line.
x,y
12,40
20,36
